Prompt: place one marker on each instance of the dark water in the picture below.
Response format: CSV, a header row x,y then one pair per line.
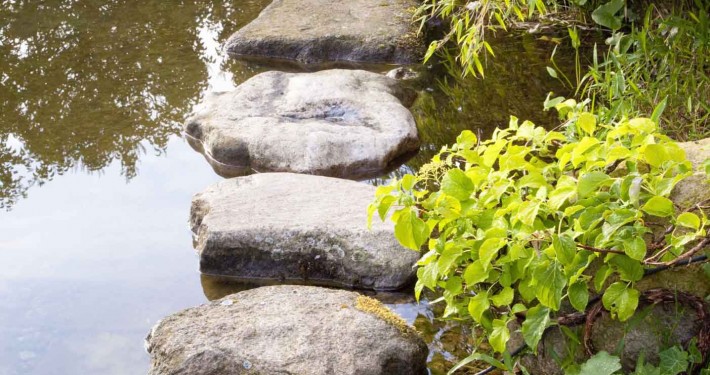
x,y
95,180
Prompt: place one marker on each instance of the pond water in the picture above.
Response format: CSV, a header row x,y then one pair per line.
x,y
96,180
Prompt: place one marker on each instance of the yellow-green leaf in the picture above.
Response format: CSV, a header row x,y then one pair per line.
x,y
621,300
477,305
587,122
659,206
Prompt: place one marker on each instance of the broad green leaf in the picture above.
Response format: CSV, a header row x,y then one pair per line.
x,y
629,269
565,248
408,182
659,206
579,295
428,275
499,336
587,122
621,300
635,248
655,155
586,144
477,305
600,277
410,230
448,257
536,321
674,360
385,205
504,298
489,250
456,184
688,220
590,183
475,273
527,212
601,364
492,152
550,282
559,196
467,139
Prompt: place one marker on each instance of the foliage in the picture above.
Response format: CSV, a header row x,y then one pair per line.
x,y
519,224
658,51
662,61
468,23
673,361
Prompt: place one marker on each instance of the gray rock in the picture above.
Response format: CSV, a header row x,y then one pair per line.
x,y
339,123
652,329
297,227
403,73
342,30
286,330
694,189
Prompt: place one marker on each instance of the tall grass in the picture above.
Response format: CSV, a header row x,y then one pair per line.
x,y
662,63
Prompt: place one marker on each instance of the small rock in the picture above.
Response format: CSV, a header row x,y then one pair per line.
x,y
402,73
287,330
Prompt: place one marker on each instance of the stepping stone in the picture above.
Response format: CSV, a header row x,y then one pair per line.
x,y
339,123
284,226
286,330
313,31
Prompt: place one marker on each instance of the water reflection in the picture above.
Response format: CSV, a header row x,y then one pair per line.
x,y
84,83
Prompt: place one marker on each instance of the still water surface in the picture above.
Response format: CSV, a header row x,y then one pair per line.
x,y
96,181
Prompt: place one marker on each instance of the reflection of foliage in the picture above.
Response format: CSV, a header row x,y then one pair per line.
x,y
86,83
515,85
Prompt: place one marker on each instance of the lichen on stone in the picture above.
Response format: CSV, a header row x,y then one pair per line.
x,y
376,308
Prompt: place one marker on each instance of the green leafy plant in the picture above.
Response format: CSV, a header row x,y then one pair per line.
x,y
673,361
515,226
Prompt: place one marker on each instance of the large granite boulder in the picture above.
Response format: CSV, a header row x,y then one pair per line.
x,y
342,30
288,226
339,123
286,330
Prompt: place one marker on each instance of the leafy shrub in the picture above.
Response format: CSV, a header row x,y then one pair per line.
x,y
529,220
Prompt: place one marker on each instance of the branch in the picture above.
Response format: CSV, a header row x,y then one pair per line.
x,y
603,251
685,256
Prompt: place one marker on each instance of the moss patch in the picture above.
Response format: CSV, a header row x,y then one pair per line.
x,y
376,308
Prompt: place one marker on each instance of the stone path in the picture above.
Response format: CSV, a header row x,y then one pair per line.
x,y
287,226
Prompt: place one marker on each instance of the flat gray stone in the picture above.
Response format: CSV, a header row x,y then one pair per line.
x,y
312,31
285,226
286,330
339,123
